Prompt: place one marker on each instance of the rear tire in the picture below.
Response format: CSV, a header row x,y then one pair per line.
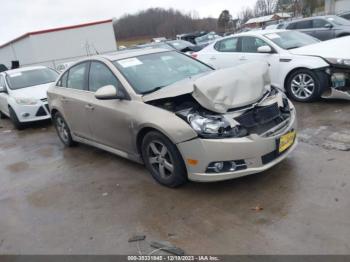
x,y
303,85
63,130
2,115
17,124
163,160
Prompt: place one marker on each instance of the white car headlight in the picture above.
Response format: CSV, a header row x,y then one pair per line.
x,y
338,61
26,101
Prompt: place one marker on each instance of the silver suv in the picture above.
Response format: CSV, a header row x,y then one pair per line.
x,y
178,116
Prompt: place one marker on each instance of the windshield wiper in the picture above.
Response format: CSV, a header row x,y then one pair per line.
x,y
152,90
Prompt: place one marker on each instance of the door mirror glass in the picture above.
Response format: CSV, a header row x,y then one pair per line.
x,y
328,25
108,92
264,49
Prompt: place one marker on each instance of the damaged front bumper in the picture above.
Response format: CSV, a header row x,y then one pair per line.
x,y
339,83
251,154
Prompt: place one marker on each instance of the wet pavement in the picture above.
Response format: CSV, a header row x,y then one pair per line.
x,y
81,200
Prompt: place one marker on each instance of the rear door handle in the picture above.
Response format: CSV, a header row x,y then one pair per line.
x,y
243,58
89,107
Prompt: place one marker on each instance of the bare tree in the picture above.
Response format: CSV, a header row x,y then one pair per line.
x,y
155,22
245,14
265,7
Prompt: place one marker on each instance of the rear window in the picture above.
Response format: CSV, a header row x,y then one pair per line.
x,y
304,24
227,45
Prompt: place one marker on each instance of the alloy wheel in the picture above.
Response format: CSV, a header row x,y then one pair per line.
x,y
302,86
62,129
160,159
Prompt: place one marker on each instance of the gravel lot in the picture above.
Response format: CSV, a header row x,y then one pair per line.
x,y
81,200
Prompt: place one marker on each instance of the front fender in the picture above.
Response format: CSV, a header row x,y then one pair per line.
x,y
166,122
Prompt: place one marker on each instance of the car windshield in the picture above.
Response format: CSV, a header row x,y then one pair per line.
x,y
291,39
206,38
22,79
180,44
148,73
338,20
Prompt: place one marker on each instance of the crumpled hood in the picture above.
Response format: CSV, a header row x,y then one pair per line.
x,y
335,48
37,92
222,89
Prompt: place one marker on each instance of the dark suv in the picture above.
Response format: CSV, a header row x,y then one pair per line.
x,y
322,27
345,15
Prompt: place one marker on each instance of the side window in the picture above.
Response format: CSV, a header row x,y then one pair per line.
x,y
319,23
76,76
63,80
227,45
291,26
251,44
2,82
100,75
304,24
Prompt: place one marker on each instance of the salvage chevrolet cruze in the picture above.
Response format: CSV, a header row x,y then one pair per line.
x,y
178,116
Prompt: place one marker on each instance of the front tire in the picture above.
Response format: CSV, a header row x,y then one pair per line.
x,y
63,130
2,115
163,160
303,85
14,119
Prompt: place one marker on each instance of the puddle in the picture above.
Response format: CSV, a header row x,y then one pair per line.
x,y
18,167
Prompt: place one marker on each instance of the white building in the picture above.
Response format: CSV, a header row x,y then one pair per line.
x,y
336,6
263,20
54,46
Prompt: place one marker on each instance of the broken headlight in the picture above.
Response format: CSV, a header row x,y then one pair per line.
x,y
214,126
338,61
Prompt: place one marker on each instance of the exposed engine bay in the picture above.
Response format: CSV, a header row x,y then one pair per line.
x,y
266,117
339,82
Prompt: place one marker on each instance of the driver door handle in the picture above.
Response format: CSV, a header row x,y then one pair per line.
x,y
89,107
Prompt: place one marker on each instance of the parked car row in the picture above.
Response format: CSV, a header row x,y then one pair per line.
x,y
180,117
221,114
299,64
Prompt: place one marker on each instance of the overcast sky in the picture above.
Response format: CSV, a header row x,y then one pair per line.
x,y
21,16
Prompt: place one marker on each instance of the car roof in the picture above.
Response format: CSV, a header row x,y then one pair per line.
x,y
310,18
22,69
132,53
255,33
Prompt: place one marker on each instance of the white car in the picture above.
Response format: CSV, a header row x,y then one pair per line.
x,y
304,67
23,94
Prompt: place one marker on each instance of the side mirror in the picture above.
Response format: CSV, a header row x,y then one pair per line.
x,y
2,89
108,92
328,26
264,49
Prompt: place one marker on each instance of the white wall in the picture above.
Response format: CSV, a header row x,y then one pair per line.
x,y
19,50
341,6
336,6
56,47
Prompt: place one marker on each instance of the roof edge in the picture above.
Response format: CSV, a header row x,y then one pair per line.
x,y
55,30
